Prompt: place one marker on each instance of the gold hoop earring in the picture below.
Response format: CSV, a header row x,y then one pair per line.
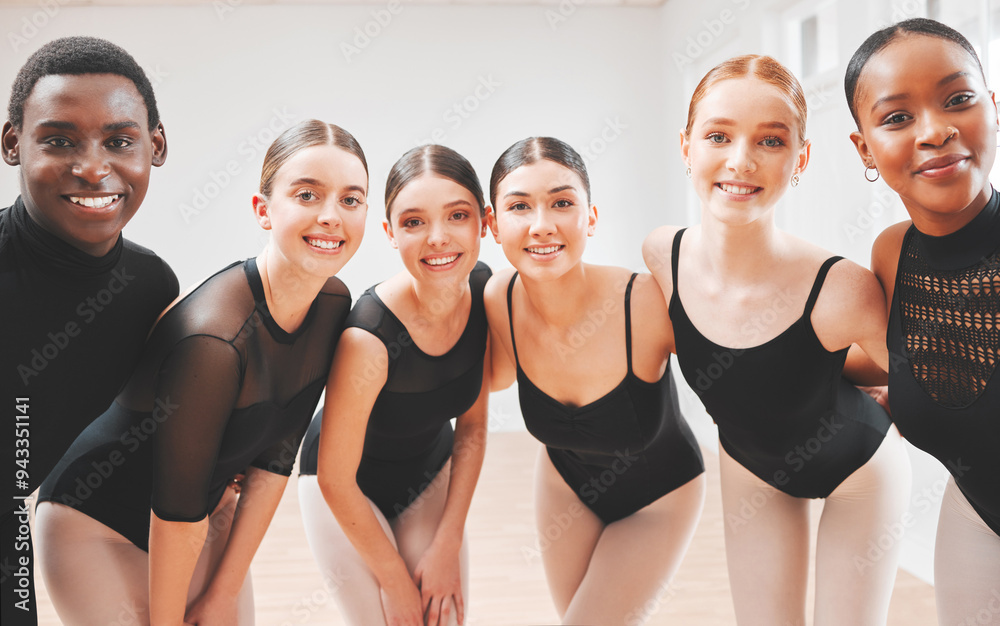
x,y
687,172
871,180
795,180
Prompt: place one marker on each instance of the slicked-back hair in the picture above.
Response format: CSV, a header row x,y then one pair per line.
x,y
534,149
434,159
757,66
878,40
305,134
75,56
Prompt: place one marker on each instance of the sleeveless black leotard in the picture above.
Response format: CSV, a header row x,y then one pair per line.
x,y
409,436
622,451
220,387
73,327
783,409
944,344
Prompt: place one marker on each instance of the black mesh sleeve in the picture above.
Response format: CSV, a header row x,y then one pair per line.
x,y
197,388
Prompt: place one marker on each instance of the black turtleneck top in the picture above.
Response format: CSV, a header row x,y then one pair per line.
x,y
944,343
72,327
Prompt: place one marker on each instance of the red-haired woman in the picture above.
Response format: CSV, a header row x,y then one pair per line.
x,y
763,322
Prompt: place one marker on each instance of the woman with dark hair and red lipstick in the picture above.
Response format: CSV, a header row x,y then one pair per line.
x,y
771,318
927,124
387,482
225,385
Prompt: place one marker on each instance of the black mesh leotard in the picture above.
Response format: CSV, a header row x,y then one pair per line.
x,y
73,327
944,343
409,436
220,387
622,451
783,409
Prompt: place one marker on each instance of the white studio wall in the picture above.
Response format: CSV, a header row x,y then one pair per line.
x,y
474,78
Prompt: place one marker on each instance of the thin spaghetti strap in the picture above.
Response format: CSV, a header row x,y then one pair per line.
x,y
818,283
675,255
628,321
510,316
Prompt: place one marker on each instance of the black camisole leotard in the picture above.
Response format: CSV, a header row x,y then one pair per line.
x,y
220,387
944,345
783,409
622,451
409,436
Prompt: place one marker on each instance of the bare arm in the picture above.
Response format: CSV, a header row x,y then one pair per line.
x,y
438,572
861,370
853,312
173,553
358,374
502,366
258,501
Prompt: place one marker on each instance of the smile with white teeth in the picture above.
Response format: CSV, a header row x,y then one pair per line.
x,y
441,260
323,243
738,190
544,250
94,203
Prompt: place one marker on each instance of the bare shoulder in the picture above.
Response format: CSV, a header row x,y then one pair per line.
x,y
885,250
495,297
647,296
852,284
657,249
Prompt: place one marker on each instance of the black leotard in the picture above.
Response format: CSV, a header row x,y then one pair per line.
x,y
944,345
73,327
220,387
783,409
622,451
409,436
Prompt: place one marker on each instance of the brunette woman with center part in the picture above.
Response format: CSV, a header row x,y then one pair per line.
x,y
619,460
763,322
226,384
927,124
387,464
